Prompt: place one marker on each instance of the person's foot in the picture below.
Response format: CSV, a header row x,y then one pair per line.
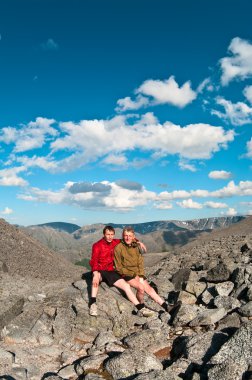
x,y
172,309
93,310
145,312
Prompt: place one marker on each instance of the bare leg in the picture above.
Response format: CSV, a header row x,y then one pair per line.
x,y
122,284
135,283
95,284
152,293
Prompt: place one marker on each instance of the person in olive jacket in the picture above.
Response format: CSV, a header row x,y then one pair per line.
x,y
129,264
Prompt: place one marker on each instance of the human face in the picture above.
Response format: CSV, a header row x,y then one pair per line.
x,y
109,236
128,237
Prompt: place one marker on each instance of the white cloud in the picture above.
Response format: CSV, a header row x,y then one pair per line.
x,y
168,91
189,203
30,136
35,161
231,212
236,113
244,188
7,211
163,206
239,64
184,165
215,205
248,93
127,103
115,159
220,174
89,140
249,148
125,195
115,198
9,177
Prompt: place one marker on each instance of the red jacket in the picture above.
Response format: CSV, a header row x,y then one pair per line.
x,y
103,255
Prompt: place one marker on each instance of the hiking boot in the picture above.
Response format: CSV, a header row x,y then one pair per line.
x,y
145,312
172,309
93,310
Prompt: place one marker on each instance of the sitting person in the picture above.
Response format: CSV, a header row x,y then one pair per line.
x,y
129,264
102,266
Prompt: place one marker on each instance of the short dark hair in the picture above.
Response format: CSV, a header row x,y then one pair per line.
x,y
109,228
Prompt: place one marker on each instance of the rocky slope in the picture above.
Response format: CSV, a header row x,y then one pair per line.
x,y
47,333
25,256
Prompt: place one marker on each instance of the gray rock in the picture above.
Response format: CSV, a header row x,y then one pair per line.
x,y
200,348
150,340
227,370
208,317
180,277
224,288
219,273
186,314
6,357
10,308
238,347
246,310
229,303
90,363
132,362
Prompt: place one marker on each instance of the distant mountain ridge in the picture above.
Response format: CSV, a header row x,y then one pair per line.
x,y
75,243
60,226
177,225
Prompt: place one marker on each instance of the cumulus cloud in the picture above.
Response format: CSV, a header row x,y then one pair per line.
x,y
89,140
50,44
9,177
115,198
249,148
116,160
247,92
189,203
163,206
154,92
236,113
231,212
7,211
30,136
239,64
124,196
185,165
211,204
168,91
244,188
220,174
127,103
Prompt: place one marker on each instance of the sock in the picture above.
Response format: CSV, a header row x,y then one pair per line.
x,y
165,306
140,306
92,300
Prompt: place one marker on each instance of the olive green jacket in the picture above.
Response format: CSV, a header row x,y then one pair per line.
x,y
128,260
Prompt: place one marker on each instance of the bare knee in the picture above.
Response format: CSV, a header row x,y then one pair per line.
x,y
140,288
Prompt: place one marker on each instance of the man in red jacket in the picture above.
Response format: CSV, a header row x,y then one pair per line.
x,y
102,266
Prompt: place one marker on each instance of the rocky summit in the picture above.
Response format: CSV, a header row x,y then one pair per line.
x,y
47,332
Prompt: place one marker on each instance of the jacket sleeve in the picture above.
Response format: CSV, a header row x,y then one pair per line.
x,y
118,260
94,262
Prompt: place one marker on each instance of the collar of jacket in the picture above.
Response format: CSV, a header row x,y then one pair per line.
x,y
133,244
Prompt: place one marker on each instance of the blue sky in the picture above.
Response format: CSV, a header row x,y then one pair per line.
x,y
125,111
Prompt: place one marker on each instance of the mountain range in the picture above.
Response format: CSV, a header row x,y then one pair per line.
x,y
74,242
